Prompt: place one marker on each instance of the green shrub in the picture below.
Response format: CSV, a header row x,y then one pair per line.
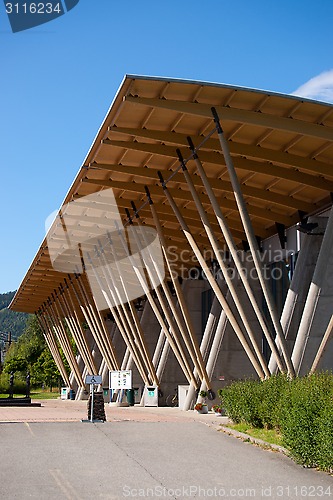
x,y
272,394
325,439
231,401
299,422
301,409
241,402
306,406
19,385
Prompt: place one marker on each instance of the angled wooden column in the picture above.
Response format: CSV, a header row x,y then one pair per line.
x,y
67,296
215,348
77,332
47,314
216,312
131,315
52,345
228,237
218,254
212,281
173,341
199,364
255,252
48,336
162,341
58,322
322,347
87,317
120,314
141,339
163,360
94,330
126,357
159,348
119,311
99,321
167,295
64,342
165,300
314,294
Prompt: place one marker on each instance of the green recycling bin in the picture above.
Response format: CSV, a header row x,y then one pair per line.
x,y
130,397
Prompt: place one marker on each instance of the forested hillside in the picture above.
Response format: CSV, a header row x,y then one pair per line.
x,y
11,321
5,299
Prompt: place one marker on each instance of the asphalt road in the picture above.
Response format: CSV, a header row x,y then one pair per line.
x,y
118,460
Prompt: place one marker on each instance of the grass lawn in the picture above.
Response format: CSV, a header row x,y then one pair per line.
x,y
269,435
37,394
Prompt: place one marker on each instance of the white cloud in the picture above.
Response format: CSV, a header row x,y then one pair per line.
x,y
319,87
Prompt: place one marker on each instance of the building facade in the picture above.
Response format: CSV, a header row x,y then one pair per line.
x,y
195,243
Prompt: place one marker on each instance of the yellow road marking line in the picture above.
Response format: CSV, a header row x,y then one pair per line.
x,y
29,429
65,486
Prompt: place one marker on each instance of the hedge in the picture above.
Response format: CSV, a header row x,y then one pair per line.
x,y
300,409
19,385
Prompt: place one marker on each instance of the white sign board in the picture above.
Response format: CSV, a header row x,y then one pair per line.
x,y
121,379
93,379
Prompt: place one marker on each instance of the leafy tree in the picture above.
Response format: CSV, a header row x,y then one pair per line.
x,y
28,347
31,353
51,373
16,364
45,371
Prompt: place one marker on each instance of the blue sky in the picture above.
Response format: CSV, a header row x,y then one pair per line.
x,y
58,80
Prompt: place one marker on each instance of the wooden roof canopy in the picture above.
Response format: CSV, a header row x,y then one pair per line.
x,y
282,148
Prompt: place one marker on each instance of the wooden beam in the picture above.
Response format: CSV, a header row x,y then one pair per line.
x,y
167,216
257,118
250,151
222,185
186,196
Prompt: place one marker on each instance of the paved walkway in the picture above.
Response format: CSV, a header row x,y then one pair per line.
x,y
48,454
56,410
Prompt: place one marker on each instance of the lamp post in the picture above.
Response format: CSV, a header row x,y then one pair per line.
x,y
11,385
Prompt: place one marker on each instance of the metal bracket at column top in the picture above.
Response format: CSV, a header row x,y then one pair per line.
x,y
150,201
192,148
181,159
136,213
129,217
159,173
216,120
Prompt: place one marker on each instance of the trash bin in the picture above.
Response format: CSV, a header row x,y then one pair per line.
x,y
72,395
138,389
130,397
182,395
64,393
106,394
150,396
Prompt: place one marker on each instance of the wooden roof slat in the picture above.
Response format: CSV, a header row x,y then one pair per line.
x,y
221,185
243,163
185,195
238,115
257,152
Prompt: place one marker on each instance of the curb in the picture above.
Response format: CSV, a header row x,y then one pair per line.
x,y
257,441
